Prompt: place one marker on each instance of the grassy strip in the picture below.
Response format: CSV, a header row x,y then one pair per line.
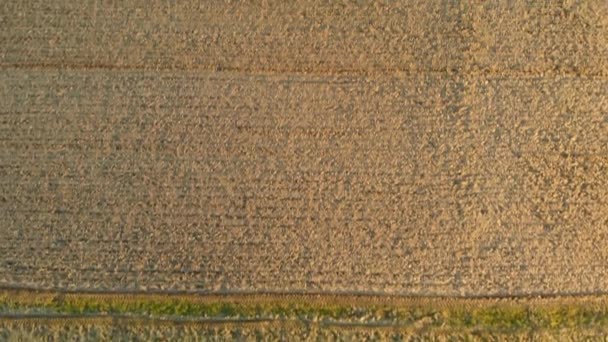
x,y
457,314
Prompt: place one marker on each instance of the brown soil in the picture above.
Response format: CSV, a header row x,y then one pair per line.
x,y
447,148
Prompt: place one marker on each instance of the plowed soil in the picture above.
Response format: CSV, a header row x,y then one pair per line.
x,y
452,148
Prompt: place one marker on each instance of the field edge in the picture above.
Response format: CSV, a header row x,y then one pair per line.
x,y
422,314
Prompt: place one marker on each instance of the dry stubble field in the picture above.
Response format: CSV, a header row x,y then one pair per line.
x,y
421,148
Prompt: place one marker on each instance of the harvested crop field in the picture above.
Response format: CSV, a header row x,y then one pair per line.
x,y
418,148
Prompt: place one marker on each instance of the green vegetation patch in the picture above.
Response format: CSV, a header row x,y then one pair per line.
x,y
458,314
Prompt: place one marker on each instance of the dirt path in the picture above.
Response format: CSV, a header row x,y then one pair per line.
x,y
420,148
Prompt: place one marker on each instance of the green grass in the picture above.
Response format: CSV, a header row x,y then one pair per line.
x,y
462,314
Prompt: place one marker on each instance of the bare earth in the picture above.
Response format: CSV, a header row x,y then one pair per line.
x,y
446,148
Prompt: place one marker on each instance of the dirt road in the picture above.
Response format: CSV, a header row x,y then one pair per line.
x,y
421,148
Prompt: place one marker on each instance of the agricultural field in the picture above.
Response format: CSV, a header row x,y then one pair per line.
x,y
411,149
